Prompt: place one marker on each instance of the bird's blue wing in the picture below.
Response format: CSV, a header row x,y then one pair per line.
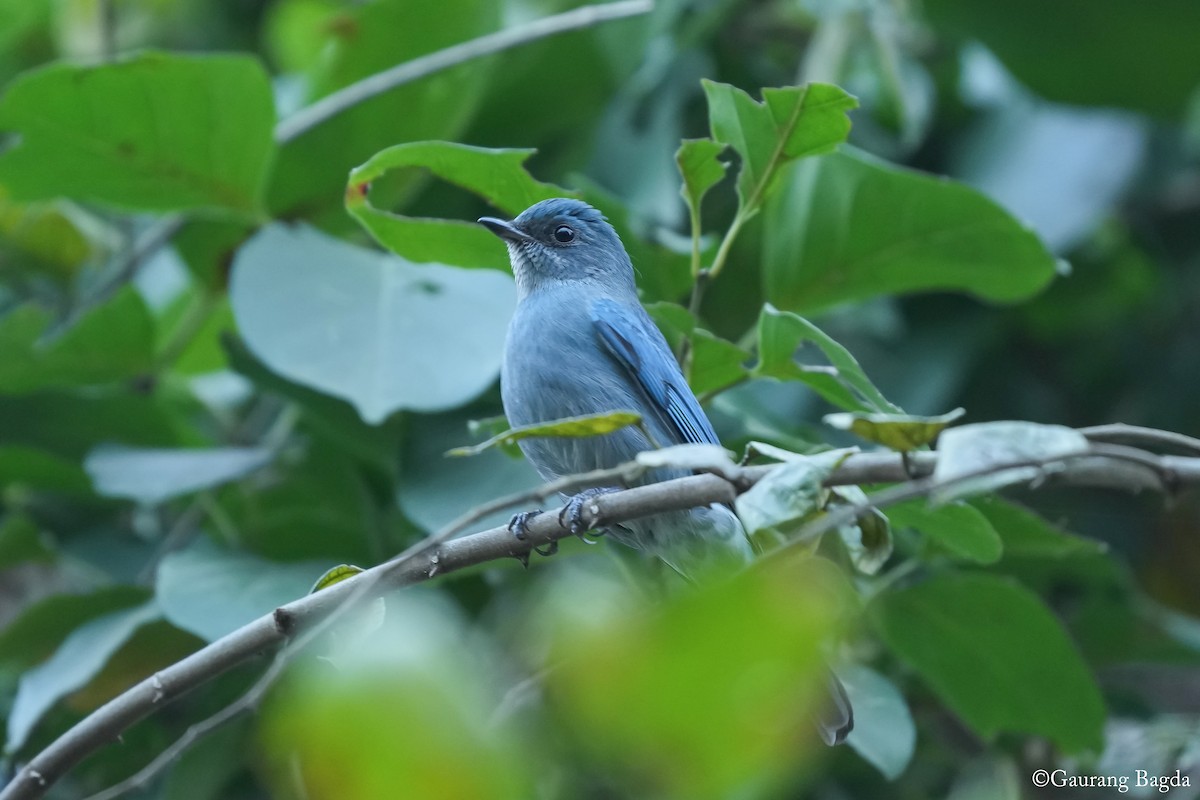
x,y
640,348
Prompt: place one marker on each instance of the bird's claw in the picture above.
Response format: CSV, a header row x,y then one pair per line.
x,y
571,516
518,526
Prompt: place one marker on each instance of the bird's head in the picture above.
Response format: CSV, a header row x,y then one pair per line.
x,y
562,240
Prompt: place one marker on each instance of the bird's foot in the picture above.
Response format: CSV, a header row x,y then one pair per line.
x,y
571,516
519,527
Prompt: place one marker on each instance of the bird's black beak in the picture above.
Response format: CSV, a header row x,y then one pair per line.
x,y
505,230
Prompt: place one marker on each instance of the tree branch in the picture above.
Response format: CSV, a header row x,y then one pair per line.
x,y
1105,466
330,106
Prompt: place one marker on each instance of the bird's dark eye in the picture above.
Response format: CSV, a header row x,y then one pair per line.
x,y
563,234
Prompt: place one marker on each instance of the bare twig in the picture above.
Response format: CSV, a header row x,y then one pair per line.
x,y
330,106
1137,435
1104,466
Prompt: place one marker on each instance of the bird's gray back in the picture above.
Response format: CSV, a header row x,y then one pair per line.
x,y
555,366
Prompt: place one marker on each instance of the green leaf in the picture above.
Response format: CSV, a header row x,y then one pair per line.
x,y
787,495
790,123
43,237
989,446
900,432
843,382
996,656
369,328
154,475
21,541
210,592
700,170
884,733
334,576
498,176
715,363
1028,535
37,469
849,227
958,527
109,343
868,539
569,427
79,659
155,132
1100,52
42,626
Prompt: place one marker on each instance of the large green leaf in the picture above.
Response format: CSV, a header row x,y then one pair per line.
x,y
499,176
155,132
373,329
994,653
1089,52
848,227
789,123
111,342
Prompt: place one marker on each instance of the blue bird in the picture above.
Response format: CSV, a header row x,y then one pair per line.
x,y
580,343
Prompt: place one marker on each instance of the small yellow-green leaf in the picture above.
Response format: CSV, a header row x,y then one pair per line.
x,y
898,431
335,575
570,427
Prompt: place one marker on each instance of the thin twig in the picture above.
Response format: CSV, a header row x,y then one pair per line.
x,y
1136,434
330,106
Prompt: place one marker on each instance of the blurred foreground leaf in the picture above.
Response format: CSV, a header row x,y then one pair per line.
x,y
404,708
656,699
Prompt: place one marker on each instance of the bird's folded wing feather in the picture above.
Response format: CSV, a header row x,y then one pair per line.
x,y
640,348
